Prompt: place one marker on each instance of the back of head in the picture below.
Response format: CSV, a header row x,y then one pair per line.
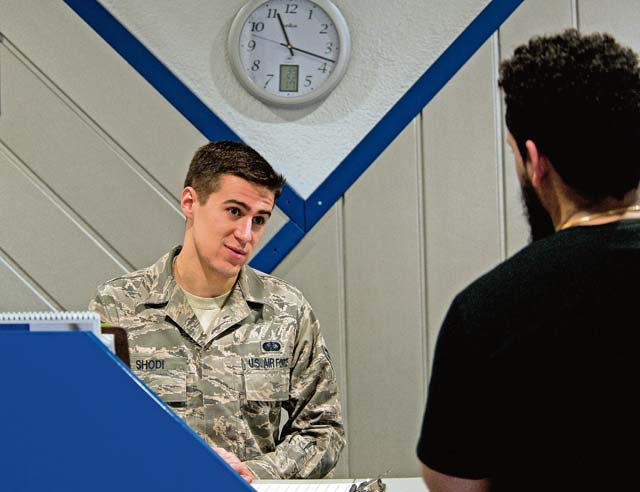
x,y
215,159
578,98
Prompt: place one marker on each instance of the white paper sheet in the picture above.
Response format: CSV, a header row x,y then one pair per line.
x,y
302,487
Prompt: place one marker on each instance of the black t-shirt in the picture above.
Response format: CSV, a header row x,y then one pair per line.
x,y
537,366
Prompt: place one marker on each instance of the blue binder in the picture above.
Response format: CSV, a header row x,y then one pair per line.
x,y
74,418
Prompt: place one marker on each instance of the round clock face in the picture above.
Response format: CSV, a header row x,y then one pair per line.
x,y
289,52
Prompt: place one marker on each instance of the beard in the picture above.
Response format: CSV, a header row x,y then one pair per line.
x,y
540,223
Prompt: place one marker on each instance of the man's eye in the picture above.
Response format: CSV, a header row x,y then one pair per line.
x,y
234,211
259,220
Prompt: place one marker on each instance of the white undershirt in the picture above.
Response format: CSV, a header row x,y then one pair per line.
x,y
206,309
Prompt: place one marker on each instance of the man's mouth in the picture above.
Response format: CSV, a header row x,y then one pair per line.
x,y
236,251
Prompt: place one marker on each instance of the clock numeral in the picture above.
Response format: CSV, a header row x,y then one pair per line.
x,y
292,8
323,68
256,66
269,77
325,28
310,13
251,45
308,80
329,48
257,26
272,13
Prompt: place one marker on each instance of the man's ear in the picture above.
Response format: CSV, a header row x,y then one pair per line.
x,y
536,164
188,198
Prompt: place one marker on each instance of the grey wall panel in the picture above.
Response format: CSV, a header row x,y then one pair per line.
x,y
385,311
531,18
536,17
462,184
83,167
622,20
15,294
46,244
316,267
93,75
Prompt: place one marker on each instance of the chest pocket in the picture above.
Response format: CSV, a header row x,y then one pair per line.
x,y
166,377
265,380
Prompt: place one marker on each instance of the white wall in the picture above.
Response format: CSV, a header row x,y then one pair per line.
x,y
393,44
91,161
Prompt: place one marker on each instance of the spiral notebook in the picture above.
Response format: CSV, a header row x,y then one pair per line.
x,y
50,321
113,337
33,321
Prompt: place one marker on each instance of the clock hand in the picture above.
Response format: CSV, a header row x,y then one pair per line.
x,y
292,48
309,53
267,39
288,45
270,40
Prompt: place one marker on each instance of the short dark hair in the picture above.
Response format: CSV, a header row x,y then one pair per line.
x,y
577,97
215,159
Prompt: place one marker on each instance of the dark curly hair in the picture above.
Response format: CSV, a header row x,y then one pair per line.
x,y
578,98
215,159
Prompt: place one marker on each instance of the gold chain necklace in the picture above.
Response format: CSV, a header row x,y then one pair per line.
x,y
588,218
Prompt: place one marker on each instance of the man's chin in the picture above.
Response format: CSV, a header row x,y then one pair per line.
x,y
230,271
225,270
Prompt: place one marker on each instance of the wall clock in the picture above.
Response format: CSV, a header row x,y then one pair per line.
x,y
289,53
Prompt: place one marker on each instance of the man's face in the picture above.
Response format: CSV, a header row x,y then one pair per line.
x,y
226,228
540,223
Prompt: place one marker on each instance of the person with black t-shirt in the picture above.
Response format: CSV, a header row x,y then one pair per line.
x,y
537,365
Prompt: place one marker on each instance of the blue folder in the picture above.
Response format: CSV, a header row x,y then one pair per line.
x,y
74,418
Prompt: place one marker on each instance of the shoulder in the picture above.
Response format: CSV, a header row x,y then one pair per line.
x,y
133,286
276,288
279,295
545,269
530,265
504,294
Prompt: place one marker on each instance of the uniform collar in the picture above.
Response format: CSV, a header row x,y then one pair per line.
x,y
168,298
252,286
249,282
249,288
165,294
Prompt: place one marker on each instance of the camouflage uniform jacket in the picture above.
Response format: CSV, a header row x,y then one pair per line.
x,y
264,354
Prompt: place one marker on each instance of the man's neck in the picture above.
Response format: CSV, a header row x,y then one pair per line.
x,y
574,210
193,277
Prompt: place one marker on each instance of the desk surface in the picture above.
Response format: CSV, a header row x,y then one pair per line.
x,y
393,484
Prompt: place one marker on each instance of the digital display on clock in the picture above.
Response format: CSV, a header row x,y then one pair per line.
x,y
289,78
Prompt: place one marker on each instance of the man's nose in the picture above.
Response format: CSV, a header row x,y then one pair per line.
x,y
244,229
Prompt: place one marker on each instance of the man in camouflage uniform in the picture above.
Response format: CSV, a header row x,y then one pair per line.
x,y
225,346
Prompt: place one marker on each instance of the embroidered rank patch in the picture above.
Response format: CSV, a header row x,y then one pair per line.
x,y
271,346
